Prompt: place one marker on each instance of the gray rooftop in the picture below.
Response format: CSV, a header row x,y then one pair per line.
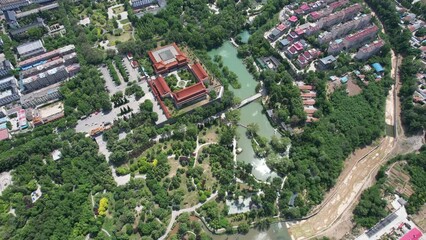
x,y
29,47
328,59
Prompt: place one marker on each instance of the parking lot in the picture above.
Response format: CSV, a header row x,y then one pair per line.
x,y
133,72
99,119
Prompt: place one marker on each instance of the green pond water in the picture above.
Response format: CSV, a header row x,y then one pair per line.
x,y
251,113
245,35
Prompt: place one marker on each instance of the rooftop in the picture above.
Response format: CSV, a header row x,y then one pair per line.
x,y
166,57
189,92
161,85
199,71
29,47
328,59
4,134
362,34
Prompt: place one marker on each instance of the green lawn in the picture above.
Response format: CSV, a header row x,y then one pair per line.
x,y
126,36
124,21
118,10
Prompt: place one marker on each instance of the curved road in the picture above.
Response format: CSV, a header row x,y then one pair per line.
x,y
175,214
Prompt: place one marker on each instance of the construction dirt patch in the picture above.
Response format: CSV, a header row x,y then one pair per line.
x,y
333,215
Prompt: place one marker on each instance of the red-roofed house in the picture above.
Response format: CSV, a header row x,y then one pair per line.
x,y
4,134
134,64
199,72
310,110
308,95
167,58
291,52
306,87
309,102
413,234
298,46
293,19
190,94
305,7
313,16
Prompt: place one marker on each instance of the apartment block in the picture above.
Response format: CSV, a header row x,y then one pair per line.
x,y
49,77
361,37
8,90
369,50
344,28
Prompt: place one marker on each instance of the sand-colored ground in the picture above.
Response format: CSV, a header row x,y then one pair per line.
x,y
333,218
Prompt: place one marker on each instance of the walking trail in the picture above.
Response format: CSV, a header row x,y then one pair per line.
x,y
175,214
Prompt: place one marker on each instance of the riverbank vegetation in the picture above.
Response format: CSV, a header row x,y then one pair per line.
x,y
371,208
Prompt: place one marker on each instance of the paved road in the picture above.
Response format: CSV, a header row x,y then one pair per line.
x,y
175,214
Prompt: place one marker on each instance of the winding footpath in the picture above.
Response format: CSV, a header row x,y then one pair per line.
x,y
175,214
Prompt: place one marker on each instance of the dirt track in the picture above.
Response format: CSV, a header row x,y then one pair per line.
x,y
334,214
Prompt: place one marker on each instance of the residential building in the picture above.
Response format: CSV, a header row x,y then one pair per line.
x,y
5,68
22,119
30,49
13,4
277,32
305,58
336,47
49,64
344,28
294,49
49,77
11,19
361,37
37,60
340,16
283,43
326,62
143,3
8,90
369,49
378,67
268,63
4,134
41,96
167,58
15,33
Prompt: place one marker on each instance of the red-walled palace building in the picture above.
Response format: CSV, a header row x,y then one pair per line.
x,y
166,58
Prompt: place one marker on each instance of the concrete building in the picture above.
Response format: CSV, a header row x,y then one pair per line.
x,y
5,68
268,63
13,4
142,3
49,77
277,32
8,90
327,62
340,16
16,33
41,96
167,58
49,64
361,37
37,60
369,50
305,58
11,19
30,49
344,28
